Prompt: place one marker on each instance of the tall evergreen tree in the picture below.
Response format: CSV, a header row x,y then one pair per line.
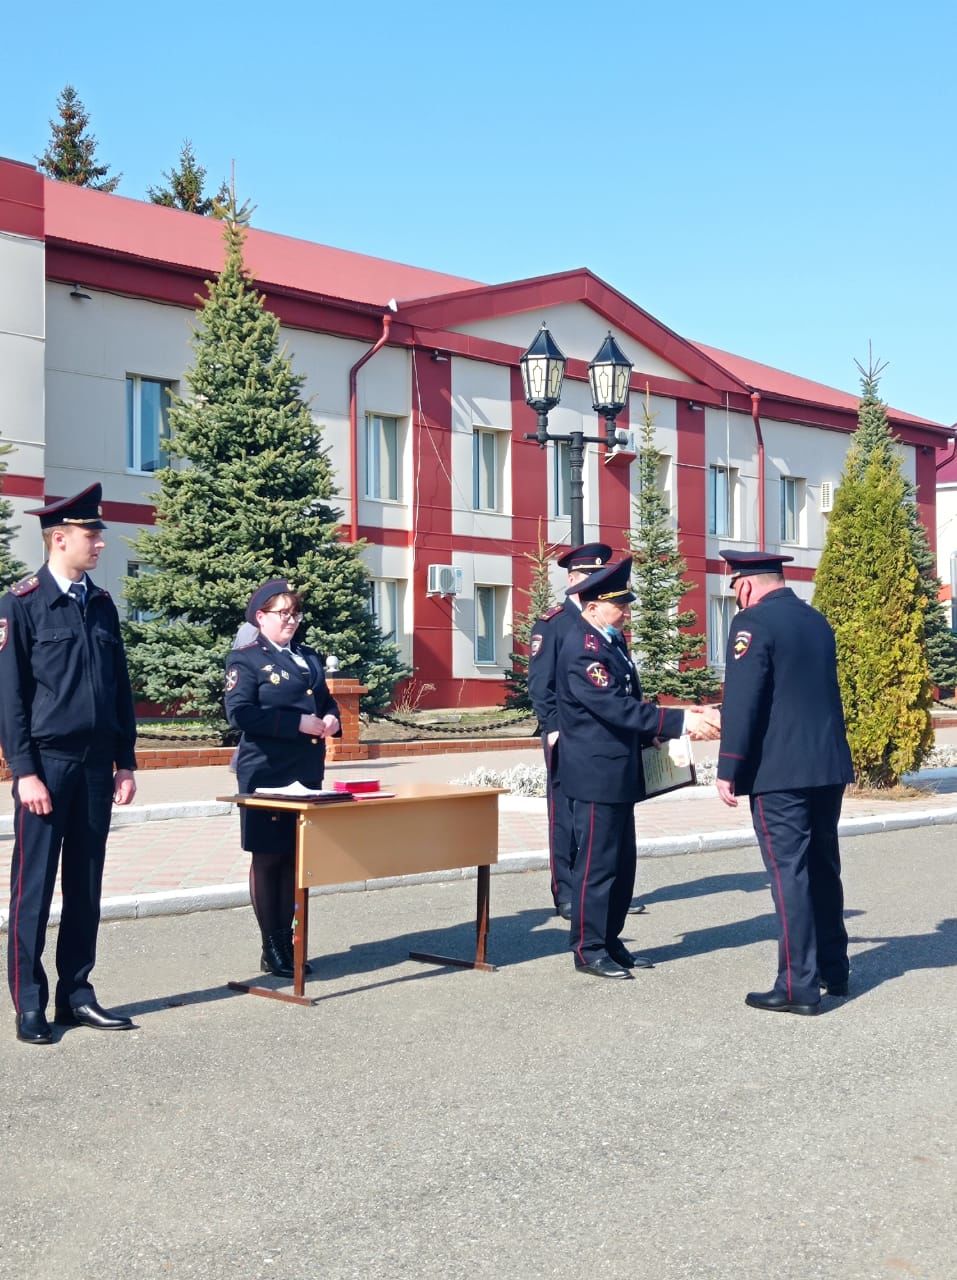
x,y
869,587
248,497
71,153
876,442
11,569
661,631
185,188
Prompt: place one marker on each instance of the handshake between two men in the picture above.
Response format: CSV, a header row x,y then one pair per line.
x,y
704,724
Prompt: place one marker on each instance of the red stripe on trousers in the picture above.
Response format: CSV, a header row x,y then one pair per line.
x,y
581,904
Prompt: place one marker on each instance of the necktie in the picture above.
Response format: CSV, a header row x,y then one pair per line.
x,y
78,592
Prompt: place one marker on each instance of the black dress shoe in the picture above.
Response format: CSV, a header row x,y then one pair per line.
x,y
91,1015
563,909
636,907
33,1028
603,967
629,959
775,1002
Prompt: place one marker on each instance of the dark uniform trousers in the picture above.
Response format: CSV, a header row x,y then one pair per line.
x,y
797,835
81,792
603,876
544,645
562,846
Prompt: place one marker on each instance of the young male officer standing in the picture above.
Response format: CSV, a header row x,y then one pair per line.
x,y
783,743
604,725
544,643
66,719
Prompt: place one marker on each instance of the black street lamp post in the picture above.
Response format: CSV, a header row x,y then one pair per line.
x,y
543,370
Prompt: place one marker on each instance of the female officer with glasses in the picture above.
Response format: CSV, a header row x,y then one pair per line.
x,y
276,694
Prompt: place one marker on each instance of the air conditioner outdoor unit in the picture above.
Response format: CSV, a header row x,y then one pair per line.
x,y
444,580
827,496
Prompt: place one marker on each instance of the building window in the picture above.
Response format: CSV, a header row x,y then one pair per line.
x,y
662,471
486,470
792,508
562,479
135,569
384,600
721,481
723,609
147,422
383,443
486,624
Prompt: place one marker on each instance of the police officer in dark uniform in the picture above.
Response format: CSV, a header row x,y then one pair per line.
x,y
544,643
604,725
783,743
276,693
66,723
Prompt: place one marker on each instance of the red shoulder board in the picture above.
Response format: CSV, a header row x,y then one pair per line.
x,y
24,587
556,608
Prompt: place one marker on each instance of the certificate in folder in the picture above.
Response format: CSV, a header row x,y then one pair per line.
x,y
668,767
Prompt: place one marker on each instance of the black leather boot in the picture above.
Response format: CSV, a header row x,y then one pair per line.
x,y
274,958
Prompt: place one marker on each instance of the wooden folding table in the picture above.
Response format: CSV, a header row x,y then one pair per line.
x,y
423,827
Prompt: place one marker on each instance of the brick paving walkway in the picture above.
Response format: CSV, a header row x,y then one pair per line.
x,y
195,853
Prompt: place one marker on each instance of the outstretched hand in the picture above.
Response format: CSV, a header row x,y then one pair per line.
x,y
703,725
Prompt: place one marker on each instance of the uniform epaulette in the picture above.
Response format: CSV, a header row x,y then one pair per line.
x,y
25,586
556,608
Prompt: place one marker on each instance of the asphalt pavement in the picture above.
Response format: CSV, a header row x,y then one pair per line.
x,y
438,1123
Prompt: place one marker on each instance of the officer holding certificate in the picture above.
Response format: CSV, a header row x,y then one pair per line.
x,y
604,724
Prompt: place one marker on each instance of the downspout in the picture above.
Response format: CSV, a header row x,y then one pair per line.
x,y
756,418
953,451
354,424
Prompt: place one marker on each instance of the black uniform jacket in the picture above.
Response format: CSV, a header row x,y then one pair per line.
x,y
266,693
603,721
782,723
543,647
64,684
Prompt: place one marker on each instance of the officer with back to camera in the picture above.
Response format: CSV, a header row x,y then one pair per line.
x,y
67,729
604,725
783,743
544,643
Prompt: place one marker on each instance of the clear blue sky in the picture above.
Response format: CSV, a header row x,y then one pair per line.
x,y
777,180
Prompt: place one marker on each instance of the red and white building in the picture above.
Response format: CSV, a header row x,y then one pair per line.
x,y
414,378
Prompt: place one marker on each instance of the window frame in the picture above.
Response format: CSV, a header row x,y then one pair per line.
x,y
372,455
796,486
720,627
482,436
730,477
134,422
481,588
561,494
392,588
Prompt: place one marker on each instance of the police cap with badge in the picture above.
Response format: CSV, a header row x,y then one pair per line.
x,y
610,583
82,510
586,558
745,564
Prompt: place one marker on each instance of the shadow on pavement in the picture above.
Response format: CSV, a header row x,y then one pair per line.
x,y
896,956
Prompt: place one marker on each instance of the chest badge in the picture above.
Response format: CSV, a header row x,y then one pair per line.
x,y
284,674
232,678
742,643
274,678
597,673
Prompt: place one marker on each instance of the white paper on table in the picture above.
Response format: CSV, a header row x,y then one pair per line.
x,y
294,791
